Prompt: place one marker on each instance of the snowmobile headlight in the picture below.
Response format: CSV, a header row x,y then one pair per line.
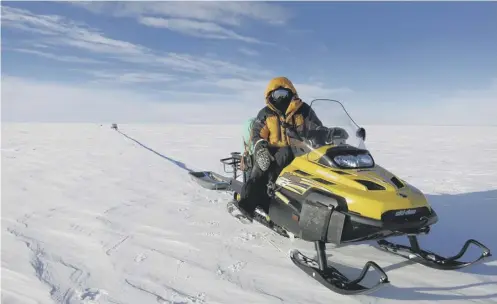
x,y
354,161
365,160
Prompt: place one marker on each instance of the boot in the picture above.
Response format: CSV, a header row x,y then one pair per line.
x,y
246,210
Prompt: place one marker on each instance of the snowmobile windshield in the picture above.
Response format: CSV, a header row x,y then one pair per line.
x,y
331,137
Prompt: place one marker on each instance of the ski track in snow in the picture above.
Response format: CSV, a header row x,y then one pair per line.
x,y
90,215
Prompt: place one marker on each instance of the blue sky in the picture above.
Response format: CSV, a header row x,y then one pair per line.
x,y
390,62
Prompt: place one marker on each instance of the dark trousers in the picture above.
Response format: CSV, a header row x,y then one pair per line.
x,y
254,191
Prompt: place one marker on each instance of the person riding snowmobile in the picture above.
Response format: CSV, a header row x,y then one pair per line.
x,y
270,142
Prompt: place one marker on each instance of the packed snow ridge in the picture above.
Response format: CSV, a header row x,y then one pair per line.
x,y
90,215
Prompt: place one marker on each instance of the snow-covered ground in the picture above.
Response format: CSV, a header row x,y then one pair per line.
x,y
91,216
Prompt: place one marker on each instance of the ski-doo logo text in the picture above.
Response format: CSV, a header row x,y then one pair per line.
x,y
405,212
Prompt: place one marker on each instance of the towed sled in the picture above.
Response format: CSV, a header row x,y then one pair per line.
x,y
334,192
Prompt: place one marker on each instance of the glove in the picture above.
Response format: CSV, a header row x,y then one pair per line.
x,y
324,135
262,156
337,133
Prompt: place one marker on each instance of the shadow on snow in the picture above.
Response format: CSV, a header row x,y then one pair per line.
x,y
177,163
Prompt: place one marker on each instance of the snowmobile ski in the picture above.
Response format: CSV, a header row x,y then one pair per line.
x,y
331,277
430,259
260,217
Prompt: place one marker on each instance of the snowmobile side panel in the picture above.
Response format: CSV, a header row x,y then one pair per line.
x,y
285,216
210,180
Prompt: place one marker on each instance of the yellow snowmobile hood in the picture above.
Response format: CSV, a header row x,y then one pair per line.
x,y
283,82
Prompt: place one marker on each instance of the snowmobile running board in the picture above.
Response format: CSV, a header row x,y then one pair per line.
x,y
259,217
430,259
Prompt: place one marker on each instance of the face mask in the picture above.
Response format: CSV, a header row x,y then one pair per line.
x,y
281,99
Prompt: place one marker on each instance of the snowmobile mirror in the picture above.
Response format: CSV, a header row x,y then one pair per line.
x,y
361,133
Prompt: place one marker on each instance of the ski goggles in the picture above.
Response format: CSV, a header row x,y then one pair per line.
x,y
281,94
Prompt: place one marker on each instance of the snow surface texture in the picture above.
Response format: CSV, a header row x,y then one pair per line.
x,y
92,216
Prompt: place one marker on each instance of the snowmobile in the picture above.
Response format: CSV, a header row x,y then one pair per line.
x,y
334,192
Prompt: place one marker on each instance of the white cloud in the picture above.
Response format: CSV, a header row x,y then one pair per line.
x,y
65,32
205,87
460,107
248,52
57,57
31,100
254,89
222,12
473,107
202,19
61,32
201,29
34,101
130,77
